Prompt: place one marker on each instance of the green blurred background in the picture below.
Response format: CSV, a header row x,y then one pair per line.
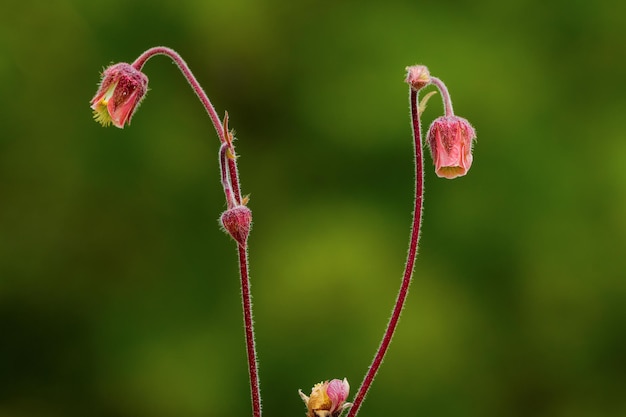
x,y
119,295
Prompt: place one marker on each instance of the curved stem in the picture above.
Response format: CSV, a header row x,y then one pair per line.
x,y
195,85
226,184
233,174
230,183
410,262
246,299
445,96
178,60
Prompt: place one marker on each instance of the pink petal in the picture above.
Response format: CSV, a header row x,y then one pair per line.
x,y
338,392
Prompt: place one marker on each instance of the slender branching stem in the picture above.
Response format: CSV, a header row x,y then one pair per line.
x,y
228,192
233,174
230,182
410,262
222,132
445,96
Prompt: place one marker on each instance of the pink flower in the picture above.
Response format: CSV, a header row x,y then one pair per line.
x,y
450,140
121,90
338,392
328,399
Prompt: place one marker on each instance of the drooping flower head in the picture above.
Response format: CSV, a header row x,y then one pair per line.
x,y
327,399
121,90
450,140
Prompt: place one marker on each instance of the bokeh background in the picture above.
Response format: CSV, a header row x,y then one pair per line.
x,y
119,295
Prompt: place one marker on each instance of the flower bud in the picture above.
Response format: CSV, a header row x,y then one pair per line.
x,y
417,76
327,399
121,90
237,222
450,140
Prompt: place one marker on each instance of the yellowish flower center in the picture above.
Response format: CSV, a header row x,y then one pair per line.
x,y
101,111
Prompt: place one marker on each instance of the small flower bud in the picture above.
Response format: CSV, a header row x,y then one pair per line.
x,y
121,90
450,140
237,222
327,399
417,76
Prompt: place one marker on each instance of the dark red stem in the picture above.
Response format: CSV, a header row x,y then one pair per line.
x,y
226,184
234,177
230,182
195,85
410,262
246,299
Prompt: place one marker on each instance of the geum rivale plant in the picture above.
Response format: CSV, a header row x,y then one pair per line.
x,y
450,139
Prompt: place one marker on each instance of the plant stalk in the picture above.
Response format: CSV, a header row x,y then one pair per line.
x,y
410,262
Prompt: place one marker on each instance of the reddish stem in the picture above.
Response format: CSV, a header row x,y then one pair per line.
x,y
445,96
234,177
195,85
226,184
246,299
410,262
230,182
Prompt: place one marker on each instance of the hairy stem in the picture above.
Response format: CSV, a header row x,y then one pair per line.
x,y
230,182
410,262
233,174
445,96
208,106
225,177
193,82
246,299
